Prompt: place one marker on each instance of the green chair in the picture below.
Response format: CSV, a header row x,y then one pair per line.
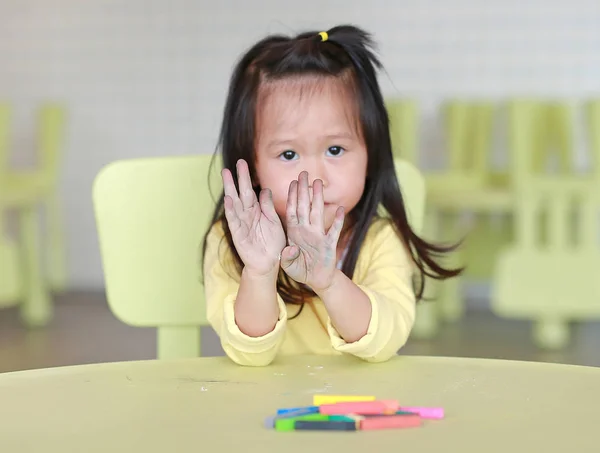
x,y
151,216
467,184
550,274
10,277
593,126
25,278
412,186
404,128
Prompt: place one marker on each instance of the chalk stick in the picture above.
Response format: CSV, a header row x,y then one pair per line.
x,y
325,426
291,413
288,424
305,409
398,413
360,408
318,400
425,412
343,418
298,410
390,422
270,422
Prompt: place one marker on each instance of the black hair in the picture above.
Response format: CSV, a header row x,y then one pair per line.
x,y
348,54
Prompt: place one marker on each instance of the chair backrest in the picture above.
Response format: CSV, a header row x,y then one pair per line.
x,y
5,123
51,136
412,186
404,128
151,216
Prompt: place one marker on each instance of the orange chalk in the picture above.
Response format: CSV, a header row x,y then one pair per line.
x,y
390,421
361,408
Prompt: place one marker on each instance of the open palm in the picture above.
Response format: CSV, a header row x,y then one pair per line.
x,y
310,256
255,227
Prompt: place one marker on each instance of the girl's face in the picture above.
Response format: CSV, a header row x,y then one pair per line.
x,y
310,125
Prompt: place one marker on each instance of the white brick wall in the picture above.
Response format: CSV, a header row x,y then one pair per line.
x,y
149,77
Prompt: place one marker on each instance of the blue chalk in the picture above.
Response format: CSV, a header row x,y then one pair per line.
x,y
299,411
289,413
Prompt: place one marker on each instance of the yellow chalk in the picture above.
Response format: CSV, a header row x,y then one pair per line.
x,y
318,400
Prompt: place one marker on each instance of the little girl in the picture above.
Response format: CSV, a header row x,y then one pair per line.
x,y
307,164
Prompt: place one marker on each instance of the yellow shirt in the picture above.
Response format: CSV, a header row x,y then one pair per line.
x,y
383,271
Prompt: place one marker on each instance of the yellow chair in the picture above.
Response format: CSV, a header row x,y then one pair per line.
x,y
412,186
467,185
151,216
25,277
550,273
593,127
552,280
404,128
10,275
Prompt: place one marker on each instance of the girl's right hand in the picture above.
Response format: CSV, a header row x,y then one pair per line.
x,y
255,227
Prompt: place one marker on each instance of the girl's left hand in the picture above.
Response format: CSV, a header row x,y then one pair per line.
x,y
311,255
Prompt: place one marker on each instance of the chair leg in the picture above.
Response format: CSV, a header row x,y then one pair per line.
x,y
451,299
427,318
37,305
56,250
174,342
551,333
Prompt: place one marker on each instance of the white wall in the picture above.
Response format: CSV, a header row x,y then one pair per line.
x,y
146,78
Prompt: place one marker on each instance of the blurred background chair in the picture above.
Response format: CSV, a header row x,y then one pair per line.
x,y
34,264
468,183
471,185
152,215
550,274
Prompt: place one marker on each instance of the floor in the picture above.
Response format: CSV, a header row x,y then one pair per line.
x,y
84,331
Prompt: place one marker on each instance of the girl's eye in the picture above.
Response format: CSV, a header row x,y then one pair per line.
x,y
336,150
288,155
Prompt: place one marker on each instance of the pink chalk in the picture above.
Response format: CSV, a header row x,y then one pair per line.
x,y
390,421
360,408
425,412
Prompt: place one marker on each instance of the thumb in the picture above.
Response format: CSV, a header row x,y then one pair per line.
x,y
289,255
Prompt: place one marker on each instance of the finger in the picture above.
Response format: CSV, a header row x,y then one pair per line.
x,y
317,206
291,211
303,199
288,255
232,218
228,184
247,195
333,235
267,206
230,191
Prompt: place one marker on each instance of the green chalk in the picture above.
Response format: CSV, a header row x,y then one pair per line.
x,y
288,424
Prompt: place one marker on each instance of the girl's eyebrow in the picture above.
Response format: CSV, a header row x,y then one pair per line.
x,y
344,135
335,136
279,142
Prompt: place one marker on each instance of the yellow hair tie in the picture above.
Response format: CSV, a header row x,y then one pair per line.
x,y
324,36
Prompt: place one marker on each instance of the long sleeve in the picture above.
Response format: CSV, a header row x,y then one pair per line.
x,y
220,290
387,281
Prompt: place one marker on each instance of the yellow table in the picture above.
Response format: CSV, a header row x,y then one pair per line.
x,y
210,404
